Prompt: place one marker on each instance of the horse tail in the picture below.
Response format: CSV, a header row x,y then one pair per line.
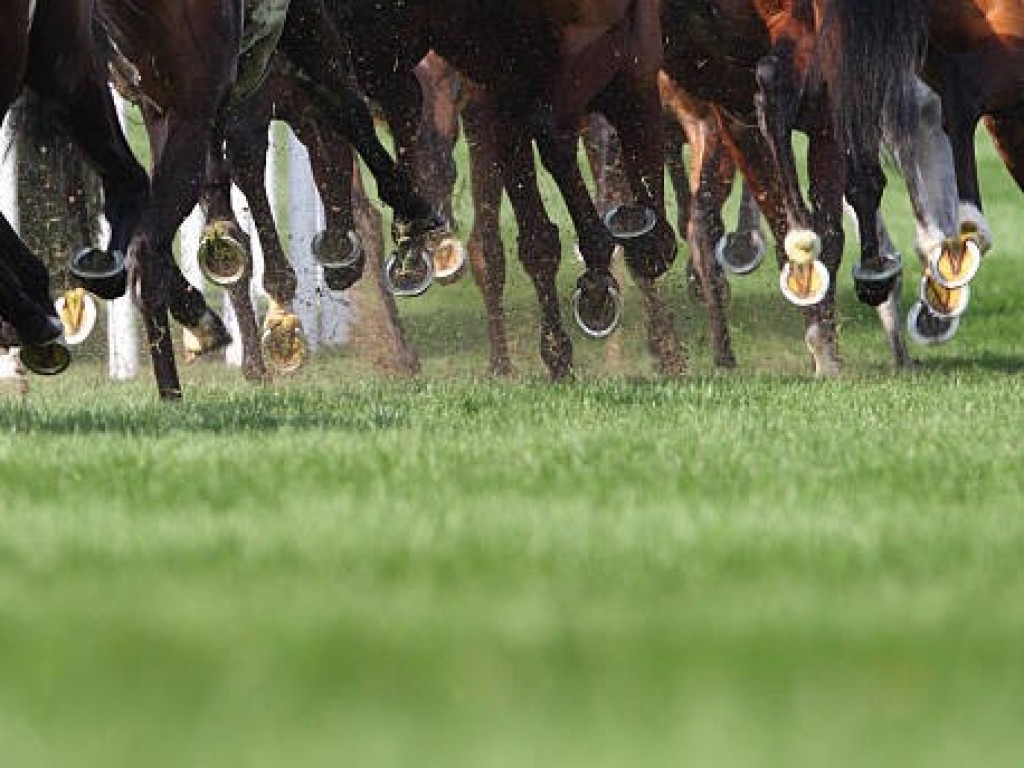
x,y
868,53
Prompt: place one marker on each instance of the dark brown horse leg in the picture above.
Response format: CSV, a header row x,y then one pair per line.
x,y
179,146
312,41
824,170
679,176
486,250
540,249
598,297
220,215
777,101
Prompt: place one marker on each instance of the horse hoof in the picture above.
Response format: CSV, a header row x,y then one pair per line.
x,y
740,253
629,222
597,304
103,273
403,231
208,335
955,263
928,329
945,303
648,249
46,359
450,260
77,312
284,343
409,272
12,374
875,286
332,251
222,256
804,283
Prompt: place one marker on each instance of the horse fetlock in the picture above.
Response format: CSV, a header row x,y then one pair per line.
x,y
820,338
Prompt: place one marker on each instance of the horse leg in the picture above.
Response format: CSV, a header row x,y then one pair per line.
x,y
311,40
221,225
282,339
825,174
715,172
486,250
634,110
777,102
539,246
597,300
180,144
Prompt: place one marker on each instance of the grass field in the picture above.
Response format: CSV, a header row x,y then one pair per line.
x,y
745,569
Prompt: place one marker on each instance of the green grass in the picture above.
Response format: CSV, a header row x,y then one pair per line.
x,y
745,569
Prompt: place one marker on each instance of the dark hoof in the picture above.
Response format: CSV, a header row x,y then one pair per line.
x,y
77,312
740,253
409,272
649,249
46,359
208,335
223,256
597,304
875,286
338,252
927,328
103,273
435,225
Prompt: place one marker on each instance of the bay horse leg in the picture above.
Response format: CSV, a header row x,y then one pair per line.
x,y
486,249
311,40
219,214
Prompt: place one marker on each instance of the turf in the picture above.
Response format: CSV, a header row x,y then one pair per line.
x,y
744,569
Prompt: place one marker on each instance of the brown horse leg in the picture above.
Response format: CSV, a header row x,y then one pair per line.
x,y
486,250
715,172
539,246
634,110
219,212
825,174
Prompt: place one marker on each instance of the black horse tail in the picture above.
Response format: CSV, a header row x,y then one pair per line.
x,y
868,54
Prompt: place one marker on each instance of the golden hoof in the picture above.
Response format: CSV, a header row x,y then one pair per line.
x,y
283,342
449,260
222,256
956,262
77,312
945,303
804,283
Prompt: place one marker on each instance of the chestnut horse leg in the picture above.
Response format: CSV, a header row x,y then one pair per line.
x,y
486,249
